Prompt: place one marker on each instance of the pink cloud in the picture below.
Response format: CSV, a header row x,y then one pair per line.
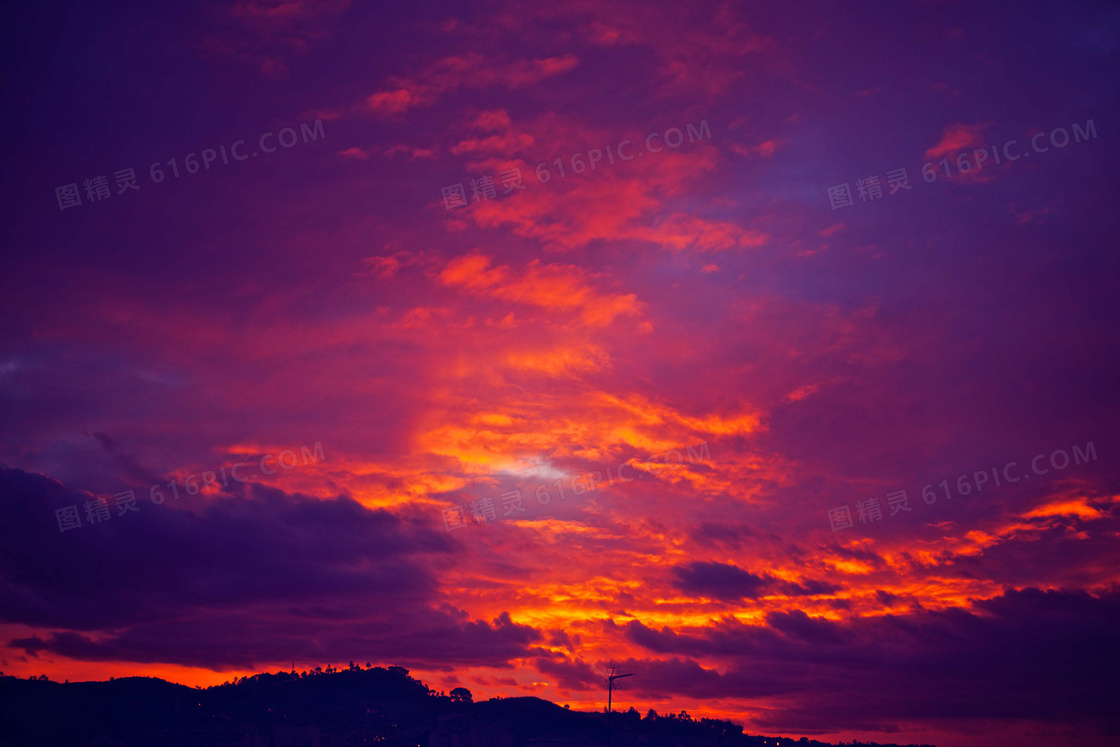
x,y
410,151
360,154
264,33
471,70
958,137
765,149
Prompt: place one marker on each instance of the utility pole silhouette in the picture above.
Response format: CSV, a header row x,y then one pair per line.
x,y
610,691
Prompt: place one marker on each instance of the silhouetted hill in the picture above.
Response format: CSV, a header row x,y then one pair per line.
x,y
355,706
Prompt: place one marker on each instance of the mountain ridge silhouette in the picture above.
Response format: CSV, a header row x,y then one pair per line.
x,y
352,706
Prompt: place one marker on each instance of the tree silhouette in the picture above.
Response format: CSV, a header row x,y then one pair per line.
x,y
461,695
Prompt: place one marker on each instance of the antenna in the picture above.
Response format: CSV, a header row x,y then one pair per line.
x,y
614,675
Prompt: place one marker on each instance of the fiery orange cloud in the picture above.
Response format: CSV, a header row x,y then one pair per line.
x,y
552,286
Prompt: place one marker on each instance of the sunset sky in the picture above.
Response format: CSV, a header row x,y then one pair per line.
x,y
426,355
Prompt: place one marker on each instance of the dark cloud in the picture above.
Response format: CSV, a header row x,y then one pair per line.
x,y
807,588
887,599
726,535
561,638
420,638
728,582
233,581
569,674
809,629
1030,654
219,552
719,581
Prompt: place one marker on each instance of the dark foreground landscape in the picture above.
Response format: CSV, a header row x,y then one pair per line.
x,y
352,707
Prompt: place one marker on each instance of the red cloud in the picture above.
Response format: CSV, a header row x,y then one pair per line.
x,y
471,70
555,287
957,137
